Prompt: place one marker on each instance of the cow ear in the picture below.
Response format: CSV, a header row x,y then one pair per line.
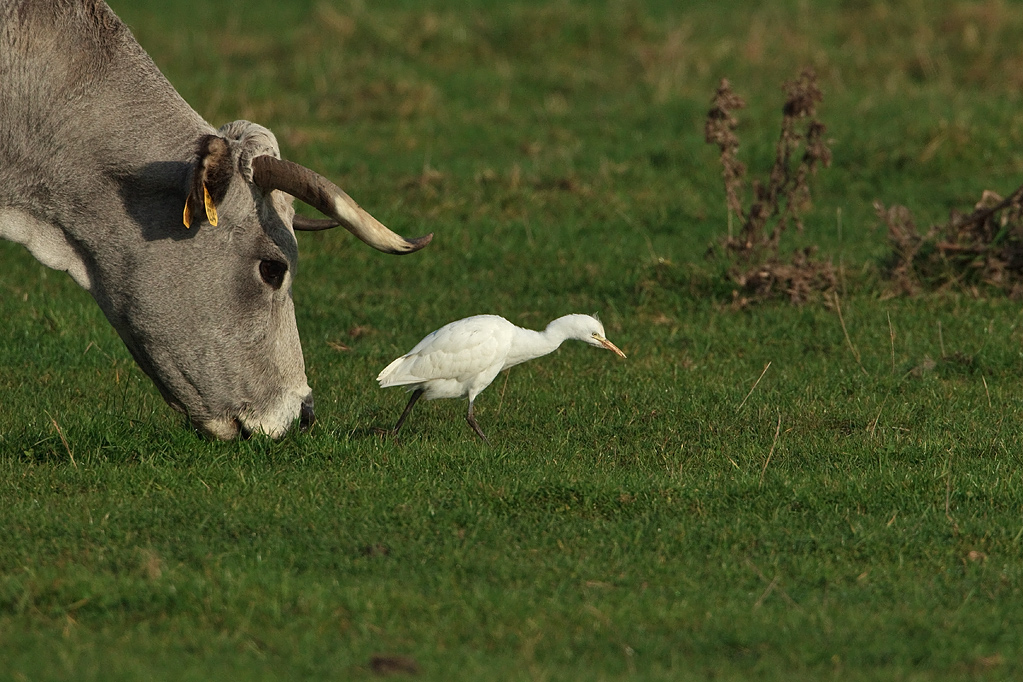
x,y
211,177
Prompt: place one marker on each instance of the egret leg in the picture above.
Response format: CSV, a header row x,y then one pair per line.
x,y
416,395
471,418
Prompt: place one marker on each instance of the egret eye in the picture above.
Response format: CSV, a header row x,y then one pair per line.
x,y
272,272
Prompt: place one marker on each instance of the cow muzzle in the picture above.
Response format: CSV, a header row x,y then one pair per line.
x,y
274,423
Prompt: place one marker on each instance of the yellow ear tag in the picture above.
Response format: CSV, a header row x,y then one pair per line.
x,y
187,216
211,208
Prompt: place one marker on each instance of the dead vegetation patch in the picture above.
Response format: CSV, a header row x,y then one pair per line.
x,y
979,250
775,203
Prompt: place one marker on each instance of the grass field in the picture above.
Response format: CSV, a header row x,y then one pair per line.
x,y
776,493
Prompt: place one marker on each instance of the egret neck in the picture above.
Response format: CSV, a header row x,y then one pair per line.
x,y
529,344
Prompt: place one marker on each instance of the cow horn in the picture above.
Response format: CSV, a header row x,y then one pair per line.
x,y
303,224
269,173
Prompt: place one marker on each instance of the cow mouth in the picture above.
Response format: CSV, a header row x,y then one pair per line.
x,y
227,428
243,424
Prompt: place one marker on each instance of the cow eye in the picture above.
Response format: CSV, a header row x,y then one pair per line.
x,y
272,272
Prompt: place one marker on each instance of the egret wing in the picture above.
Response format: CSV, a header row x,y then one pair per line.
x,y
459,351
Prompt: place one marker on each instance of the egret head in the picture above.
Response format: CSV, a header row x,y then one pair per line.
x,y
588,329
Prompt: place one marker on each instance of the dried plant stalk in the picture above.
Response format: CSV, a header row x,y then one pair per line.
x,y
780,201
720,130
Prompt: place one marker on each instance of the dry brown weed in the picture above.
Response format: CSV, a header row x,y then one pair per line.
x,y
776,203
981,248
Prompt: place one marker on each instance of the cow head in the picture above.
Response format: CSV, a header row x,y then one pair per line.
x,y
208,312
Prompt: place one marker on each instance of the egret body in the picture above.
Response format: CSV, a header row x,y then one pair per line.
x,y
462,358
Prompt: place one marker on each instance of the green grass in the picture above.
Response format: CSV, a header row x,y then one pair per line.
x,y
851,512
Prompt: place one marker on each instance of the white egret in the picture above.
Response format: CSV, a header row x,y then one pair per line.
x,y
461,358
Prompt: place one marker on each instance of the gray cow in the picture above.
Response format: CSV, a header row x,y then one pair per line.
x,y
102,165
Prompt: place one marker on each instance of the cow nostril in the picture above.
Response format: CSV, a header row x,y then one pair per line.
x,y
306,416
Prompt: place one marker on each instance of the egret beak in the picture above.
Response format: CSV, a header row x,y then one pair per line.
x,y
610,346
